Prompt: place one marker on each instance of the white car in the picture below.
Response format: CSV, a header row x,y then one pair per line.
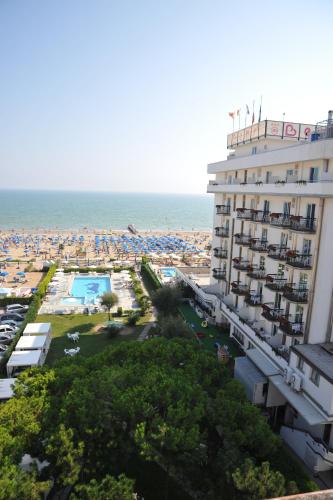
x,y
12,324
3,348
17,308
8,329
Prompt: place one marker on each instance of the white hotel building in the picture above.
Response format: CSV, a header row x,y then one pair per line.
x,y
272,275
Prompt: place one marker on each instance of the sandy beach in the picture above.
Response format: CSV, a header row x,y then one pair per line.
x,y
25,251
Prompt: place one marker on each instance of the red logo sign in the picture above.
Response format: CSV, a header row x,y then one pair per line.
x,y
289,130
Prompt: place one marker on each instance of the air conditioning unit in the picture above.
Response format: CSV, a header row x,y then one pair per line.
x,y
296,382
288,373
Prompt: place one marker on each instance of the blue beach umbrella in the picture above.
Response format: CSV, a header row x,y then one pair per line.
x,y
4,273
20,273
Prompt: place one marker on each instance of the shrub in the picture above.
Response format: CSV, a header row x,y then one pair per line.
x,y
133,318
149,274
119,311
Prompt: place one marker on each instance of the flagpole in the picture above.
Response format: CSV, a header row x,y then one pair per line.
x,y
253,111
260,109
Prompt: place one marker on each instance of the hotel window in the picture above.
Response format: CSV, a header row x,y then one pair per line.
x,y
300,364
254,150
315,377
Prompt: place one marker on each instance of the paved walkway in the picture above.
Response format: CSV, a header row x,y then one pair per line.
x,y
144,334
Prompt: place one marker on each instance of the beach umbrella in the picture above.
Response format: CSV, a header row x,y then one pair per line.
x,y
9,259
20,273
4,273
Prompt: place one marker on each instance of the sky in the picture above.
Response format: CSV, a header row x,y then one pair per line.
x,y
134,96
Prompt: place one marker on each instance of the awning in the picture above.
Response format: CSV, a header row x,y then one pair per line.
x,y
298,401
261,362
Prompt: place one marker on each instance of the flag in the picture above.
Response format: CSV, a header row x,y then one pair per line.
x,y
253,118
232,114
259,114
247,110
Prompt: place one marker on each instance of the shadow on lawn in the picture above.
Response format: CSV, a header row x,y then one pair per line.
x,y
82,328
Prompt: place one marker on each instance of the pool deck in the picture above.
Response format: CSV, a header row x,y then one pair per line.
x,y
61,285
211,333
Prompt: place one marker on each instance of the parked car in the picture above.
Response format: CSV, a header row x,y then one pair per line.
x,y
6,338
3,348
18,318
6,328
11,323
17,308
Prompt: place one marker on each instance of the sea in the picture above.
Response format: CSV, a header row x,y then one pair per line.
x,y
74,210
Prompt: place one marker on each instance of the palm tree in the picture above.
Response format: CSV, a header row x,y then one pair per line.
x,y
109,299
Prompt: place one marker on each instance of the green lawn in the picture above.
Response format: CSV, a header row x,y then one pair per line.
x,y
212,333
92,338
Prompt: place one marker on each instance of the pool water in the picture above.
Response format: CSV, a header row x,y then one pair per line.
x,y
168,272
86,289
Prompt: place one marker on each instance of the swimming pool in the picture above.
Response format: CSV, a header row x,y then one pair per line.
x,y
86,289
168,272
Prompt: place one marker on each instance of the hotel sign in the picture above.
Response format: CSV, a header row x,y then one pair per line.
x,y
269,128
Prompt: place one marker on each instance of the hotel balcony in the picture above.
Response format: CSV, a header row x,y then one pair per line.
x,y
220,253
244,213
242,239
303,224
280,220
271,313
291,324
299,260
253,298
261,216
275,282
219,274
277,252
257,245
296,294
223,209
222,232
242,264
257,272
239,288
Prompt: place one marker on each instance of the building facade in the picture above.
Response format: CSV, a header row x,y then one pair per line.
x,y
272,274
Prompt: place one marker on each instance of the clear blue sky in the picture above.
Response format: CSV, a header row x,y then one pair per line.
x,y
134,95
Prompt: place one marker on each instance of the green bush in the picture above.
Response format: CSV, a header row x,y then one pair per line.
x,y
119,311
150,275
133,318
6,301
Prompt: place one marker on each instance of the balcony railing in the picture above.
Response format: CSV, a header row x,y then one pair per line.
x,y
223,232
257,272
242,264
242,239
291,324
280,220
219,274
271,313
261,216
295,293
257,245
303,224
275,282
239,288
278,252
299,260
253,298
223,209
244,213
220,253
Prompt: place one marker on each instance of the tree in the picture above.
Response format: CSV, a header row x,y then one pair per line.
x,y
108,300
171,327
64,456
167,299
257,483
133,318
15,483
107,489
